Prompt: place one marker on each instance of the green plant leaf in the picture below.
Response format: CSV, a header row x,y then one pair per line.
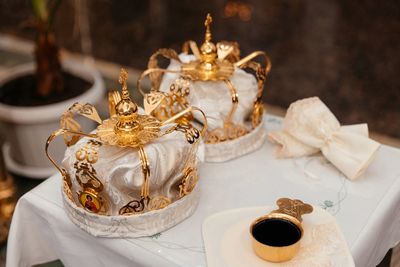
x,y
40,9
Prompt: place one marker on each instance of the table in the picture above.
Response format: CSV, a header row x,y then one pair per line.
x,y
367,210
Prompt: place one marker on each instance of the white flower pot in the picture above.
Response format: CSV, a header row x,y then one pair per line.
x,y
26,128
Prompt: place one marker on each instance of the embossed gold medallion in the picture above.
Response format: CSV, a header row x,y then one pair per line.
x,y
90,201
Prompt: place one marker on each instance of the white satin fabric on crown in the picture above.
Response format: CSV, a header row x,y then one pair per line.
x,y
145,224
214,98
309,127
120,169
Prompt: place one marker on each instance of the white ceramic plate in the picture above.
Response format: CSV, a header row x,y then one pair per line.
x,y
227,240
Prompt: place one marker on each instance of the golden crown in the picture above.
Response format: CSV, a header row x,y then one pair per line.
x,y
164,113
216,63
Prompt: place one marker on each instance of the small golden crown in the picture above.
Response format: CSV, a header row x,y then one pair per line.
x,y
163,114
216,63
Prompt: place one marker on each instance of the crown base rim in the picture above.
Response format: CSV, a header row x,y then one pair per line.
x,y
140,225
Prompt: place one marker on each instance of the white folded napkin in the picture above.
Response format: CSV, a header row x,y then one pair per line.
x,y
309,127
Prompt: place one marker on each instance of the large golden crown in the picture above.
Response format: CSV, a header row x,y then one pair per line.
x,y
128,132
216,63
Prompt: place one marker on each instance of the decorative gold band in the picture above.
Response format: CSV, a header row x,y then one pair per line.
x,y
53,136
149,72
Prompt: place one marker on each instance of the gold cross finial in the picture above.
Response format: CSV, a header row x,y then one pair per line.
x,y
207,23
123,78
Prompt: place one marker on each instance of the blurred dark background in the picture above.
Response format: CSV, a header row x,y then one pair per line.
x,y
345,52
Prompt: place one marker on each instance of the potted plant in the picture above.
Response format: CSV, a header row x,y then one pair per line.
x,y
33,97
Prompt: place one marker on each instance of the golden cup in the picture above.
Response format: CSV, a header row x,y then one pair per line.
x,y
276,236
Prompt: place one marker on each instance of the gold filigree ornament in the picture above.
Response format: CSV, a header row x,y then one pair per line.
x,y
127,128
216,63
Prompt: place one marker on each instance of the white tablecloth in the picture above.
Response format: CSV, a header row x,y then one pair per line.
x,y
367,210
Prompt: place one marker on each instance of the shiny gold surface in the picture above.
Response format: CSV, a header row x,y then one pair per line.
x,y
216,63
141,131
7,204
66,177
87,177
172,106
67,120
175,102
155,77
271,253
90,200
140,205
7,200
204,71
127,128
230,131
293,207
289,210
257,114
190,174
208,66
113,99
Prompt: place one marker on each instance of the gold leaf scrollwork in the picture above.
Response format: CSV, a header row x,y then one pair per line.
x,y
134,206
152,100
229,51
257,115
148,129
127,128
230,131
157,203
67,189
293,207
156,77
191,133
86,176
174,102
68,122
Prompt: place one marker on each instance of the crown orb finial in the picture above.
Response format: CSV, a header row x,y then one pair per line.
x,y
126,106
123,80
125,109
208,49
